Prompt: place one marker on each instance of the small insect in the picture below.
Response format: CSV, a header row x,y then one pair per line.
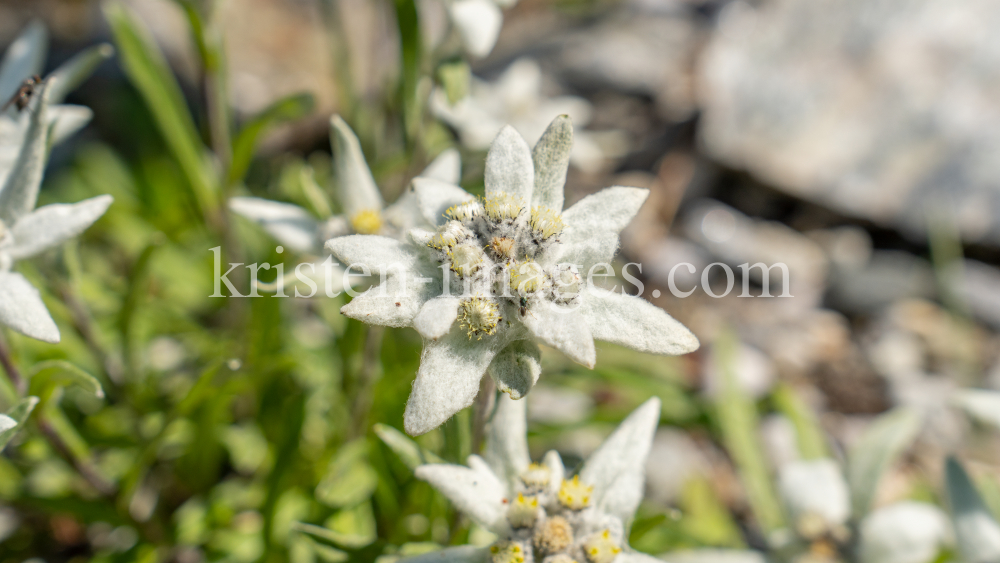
x,y
523,307
23,95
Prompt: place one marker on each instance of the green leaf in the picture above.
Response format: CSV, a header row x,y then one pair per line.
x,y
77,70
349,479
881,443
737,417
290,108
977,533
50,374
18,413
351,528
809,435
150,74
409,452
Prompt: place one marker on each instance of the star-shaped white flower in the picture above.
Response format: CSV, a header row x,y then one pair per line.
x,y
478,23
26,231
538,511
364,210
502,273
516,98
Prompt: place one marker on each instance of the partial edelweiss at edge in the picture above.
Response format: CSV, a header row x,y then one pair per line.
x,y
538,512
364,211
515,270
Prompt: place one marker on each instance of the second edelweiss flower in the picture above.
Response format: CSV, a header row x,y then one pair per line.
x,y
502,273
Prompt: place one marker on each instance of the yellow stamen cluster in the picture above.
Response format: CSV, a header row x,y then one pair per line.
x,y
566,284
575,495
506,553
523,511
478,316
536,478
465,259
464,211
502,206
601,548
448,235
526,277
367,222
553,535
503,248
546,223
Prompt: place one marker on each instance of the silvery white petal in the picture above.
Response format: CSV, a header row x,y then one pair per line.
x,y
66,120
394,302
435,197
447,380
516,368
404,213
617,469
551,161
519,92
475,492
21,309
981,404
20,190
358,191
289,224
635,323
478,23
507,441
75,71
436,316
508,166
554,462
606,212
456,554
53,224
815,487
374,252
905,532
447,167
25,57
565,330
600,248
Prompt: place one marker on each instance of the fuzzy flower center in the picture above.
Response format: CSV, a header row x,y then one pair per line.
x,y
367,222
574,494
494,249
478,316
546,527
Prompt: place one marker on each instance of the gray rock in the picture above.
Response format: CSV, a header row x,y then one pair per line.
x,y
883,109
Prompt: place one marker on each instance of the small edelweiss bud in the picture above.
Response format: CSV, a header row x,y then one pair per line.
x,y
546,223
811,525
464,212
503,248
506,552
367,222
536,478
526,278
575,495
449,235
553,535
502,207
565,284
559,558
465,259
479,316
601,548
523,511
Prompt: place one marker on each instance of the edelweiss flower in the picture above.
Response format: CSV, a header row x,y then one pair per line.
x,y
516,98
26,231
501,273
478,23
537,511
364,210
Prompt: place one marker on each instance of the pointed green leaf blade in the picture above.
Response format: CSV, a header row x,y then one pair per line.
x,y
18,414
977,533
878,447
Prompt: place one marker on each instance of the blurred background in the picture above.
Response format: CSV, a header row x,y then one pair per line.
x,y
855,141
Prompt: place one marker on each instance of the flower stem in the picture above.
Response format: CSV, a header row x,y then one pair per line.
x,y
368,376
20,384
481,411
83,466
